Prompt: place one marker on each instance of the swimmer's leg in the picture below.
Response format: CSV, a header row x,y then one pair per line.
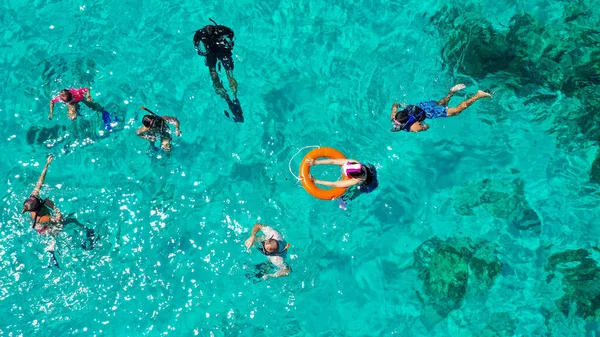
x,y
465,104
232,83
51,248
444,101
217,84
259,270
72,110
90,239
90,235
165,144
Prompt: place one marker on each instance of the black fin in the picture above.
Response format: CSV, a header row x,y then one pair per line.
x,y
53,260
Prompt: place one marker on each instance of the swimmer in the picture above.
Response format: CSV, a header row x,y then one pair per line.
x,y
363,177
71,97
273,247
156,126
41,216
411,118
218,43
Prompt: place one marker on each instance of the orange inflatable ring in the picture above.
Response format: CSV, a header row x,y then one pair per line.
x,y
310,186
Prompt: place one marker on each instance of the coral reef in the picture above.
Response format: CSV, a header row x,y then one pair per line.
x,y
450,269
581,283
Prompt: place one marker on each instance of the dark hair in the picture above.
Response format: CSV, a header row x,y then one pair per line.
x,y
210,30
33,204
151,121
68,94
402,116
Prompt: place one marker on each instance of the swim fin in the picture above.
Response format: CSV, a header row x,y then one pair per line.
x,y
108,122
90,239
53,261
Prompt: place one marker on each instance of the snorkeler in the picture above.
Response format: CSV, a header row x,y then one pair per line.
x,y
40,210
273,247
47,224
72,97
156,126
363,177
411,118
218,43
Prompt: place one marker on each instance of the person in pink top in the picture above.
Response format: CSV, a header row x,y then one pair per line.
x,y
71,97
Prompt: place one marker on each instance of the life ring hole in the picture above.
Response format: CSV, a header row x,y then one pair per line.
x,y
327,173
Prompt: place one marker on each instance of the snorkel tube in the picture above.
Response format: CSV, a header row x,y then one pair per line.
x,y
151,112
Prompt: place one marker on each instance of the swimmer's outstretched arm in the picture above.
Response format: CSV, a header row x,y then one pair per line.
x,y
51,110
57,214
342,183
197,38
395,107
174,121
40,182
257,227
141,132
340,162
229,33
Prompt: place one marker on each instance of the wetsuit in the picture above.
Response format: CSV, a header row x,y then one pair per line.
x,y
217,46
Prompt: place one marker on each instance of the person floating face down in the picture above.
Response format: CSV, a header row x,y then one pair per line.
x,y
71,97
412,117
363,177
273,247
218,43
155,126
41,213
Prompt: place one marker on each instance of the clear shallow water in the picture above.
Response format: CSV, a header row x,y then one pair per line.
x,y
171,258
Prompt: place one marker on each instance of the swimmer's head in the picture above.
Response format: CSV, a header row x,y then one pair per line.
x,y
65,95
32,204
352,169
271,246
210,30
151,121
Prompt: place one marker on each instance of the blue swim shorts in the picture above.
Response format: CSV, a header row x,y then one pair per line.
x,y
433,110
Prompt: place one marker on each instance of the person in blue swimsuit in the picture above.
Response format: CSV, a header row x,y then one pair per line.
x,y
411,118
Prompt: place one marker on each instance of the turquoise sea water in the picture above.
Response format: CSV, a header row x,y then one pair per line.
x,y
171,261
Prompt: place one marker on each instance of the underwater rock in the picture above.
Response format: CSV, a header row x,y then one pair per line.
x,y
581,283
450,268
532,54
530,50
505,200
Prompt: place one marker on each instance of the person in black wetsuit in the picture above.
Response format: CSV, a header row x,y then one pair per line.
x,y
218,43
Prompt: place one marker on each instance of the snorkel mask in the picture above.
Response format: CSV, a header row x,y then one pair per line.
x,y
264,251
351,168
